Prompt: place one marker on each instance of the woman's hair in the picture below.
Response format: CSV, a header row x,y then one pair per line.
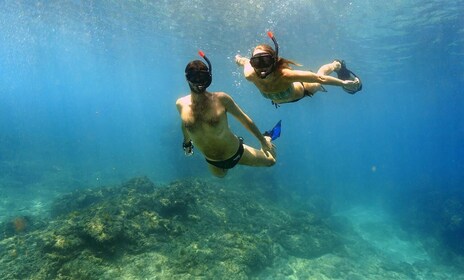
x,y
282,63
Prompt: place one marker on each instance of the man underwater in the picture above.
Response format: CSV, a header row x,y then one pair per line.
x,y
205,123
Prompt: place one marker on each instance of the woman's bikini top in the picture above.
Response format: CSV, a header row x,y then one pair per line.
x,y
279,95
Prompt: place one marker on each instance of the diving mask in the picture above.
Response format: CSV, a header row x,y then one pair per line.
x,y
262,60
200,78
265,63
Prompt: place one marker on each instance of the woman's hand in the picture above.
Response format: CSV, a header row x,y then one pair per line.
x,y
240,60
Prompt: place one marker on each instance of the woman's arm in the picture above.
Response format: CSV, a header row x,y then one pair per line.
x,y
248,70
240,60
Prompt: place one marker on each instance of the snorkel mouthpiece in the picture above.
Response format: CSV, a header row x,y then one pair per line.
x,y
264,74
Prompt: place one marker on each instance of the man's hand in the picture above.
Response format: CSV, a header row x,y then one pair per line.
x,y
188,148
268,147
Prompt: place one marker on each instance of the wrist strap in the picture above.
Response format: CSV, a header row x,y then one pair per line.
x,y
187,145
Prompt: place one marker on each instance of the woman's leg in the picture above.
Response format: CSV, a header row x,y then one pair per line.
x,y
327,69
311,88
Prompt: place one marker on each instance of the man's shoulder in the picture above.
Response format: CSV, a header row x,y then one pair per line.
x,y
222,95
225,99
182,100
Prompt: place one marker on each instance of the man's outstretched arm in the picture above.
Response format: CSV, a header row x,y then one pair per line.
x,y
247,122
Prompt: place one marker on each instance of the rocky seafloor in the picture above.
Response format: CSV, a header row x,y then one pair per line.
x,y
192,229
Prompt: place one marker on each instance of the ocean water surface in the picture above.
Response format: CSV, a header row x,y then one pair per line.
x,y
87,100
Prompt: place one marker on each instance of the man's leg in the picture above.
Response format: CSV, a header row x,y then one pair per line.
x,y
216,171
255,157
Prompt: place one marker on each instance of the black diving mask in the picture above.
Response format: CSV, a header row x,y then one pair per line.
x,y
265,63
262,61
201,79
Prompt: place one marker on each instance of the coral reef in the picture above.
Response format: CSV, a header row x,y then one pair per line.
x,y
178,231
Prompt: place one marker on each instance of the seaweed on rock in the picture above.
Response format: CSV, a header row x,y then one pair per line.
x,y
186,228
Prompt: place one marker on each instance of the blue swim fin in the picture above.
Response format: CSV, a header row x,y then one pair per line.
x,y
274,133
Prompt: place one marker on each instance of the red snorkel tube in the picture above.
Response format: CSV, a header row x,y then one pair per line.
x,y
210,68
271,35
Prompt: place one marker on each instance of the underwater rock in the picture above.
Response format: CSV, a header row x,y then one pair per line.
x,y
195,228
19,225
305,237
81,199
438,214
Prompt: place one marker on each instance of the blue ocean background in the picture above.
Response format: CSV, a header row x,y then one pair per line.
x,y
88,91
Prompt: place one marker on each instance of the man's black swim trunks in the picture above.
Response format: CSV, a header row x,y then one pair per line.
x,y
230,162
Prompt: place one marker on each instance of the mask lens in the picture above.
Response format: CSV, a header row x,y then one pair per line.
x,y
198,77
262,61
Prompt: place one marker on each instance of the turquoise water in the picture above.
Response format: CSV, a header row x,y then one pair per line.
x,y
88,90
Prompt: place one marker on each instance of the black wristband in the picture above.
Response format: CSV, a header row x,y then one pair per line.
x,y
187,145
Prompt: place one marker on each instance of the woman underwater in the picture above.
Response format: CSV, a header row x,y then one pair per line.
x,y
277,81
